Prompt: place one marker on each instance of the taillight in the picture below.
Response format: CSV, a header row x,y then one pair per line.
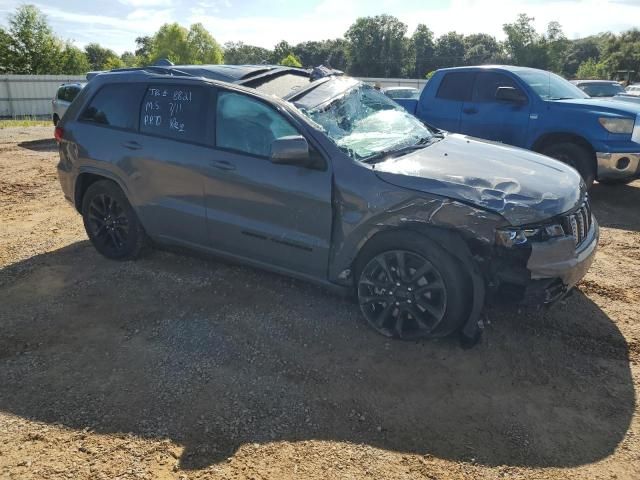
x,y
58,133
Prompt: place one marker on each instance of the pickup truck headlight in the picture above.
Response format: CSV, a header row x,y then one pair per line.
x,y
512,237
617,125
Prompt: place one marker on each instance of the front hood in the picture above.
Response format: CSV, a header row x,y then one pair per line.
x,y
606,105
522,186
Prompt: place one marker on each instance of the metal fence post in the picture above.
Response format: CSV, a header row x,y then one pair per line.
x,y
9,97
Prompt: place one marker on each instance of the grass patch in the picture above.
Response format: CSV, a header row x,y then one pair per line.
x,y
25,123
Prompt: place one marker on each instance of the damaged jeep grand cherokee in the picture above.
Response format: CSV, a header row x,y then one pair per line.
x,y
319,176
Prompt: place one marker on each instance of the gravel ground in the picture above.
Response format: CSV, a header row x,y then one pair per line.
x,y
176,367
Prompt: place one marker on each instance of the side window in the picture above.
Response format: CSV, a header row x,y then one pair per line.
x,y
63,94
456,86
487,83
72,93
248,125
115,105
175,111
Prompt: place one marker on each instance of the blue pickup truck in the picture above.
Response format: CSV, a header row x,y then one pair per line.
x,y
537,110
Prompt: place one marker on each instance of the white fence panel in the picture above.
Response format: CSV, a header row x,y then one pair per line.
x,y
30,95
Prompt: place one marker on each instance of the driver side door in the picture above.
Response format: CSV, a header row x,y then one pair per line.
x,y
275,214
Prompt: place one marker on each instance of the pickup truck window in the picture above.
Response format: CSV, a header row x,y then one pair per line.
x,y
550,86
456,86
486,85
247,125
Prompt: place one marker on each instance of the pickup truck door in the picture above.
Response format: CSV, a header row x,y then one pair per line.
x,y
275,214
484,116
443,107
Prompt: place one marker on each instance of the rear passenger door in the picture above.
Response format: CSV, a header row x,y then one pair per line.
x,y
270,213
484,116
129,133
444,110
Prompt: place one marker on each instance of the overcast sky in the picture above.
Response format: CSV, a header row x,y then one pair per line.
x,y
116,23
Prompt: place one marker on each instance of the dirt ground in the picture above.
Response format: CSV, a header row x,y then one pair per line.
x,y
181,367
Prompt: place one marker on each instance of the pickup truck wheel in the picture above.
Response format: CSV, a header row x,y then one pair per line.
x,y
111,223
576,156
410,288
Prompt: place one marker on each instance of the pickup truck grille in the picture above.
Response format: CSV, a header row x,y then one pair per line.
x,y
578,222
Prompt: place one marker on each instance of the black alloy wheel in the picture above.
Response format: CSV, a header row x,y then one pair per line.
x,y
402,294
108,224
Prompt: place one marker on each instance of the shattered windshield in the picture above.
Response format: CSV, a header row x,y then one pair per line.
x,y
364,122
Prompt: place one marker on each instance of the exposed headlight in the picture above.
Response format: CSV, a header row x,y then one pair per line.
x,y
511,237
617,125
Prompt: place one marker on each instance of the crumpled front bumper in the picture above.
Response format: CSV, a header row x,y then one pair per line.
x,y
556,265
618,166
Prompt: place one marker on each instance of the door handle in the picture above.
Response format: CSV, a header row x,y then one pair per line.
x,y
132,145
223,165
470,110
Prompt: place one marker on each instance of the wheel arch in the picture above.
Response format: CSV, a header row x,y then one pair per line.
x,y
87,178
552,138
453,243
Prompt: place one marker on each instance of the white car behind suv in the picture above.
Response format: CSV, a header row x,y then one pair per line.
x,y
63,98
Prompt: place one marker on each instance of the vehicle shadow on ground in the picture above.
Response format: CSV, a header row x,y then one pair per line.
x,y
43,145
214,356
607,199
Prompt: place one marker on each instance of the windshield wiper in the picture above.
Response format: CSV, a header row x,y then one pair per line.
x,y
421,143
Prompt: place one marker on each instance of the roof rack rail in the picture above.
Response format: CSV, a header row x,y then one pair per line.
x,y
153,68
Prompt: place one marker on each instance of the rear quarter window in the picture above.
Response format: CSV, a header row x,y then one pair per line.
x,y
115,105
175,111
456,86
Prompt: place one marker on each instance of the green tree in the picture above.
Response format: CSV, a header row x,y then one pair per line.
x,y
280,50
450,50
482,49
6,55
202,47
239,53
32,47
377,46
99,58
144,47
130,60
170,42
73,61
578,52
592,70
422,51
523,44
330,53
622,52
290,61
557,47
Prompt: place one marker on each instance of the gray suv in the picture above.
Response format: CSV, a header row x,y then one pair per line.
x,y
322,177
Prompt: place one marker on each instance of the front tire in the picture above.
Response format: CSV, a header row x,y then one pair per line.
x,y
411,288
575,156
111,223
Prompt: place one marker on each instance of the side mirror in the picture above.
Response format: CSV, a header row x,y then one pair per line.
x,y
510,94
292,150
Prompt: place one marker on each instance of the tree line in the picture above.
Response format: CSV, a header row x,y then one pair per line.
x,y
376,46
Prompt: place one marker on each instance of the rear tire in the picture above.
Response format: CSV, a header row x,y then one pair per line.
x,y
409,287
111,223
56,119
575,156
